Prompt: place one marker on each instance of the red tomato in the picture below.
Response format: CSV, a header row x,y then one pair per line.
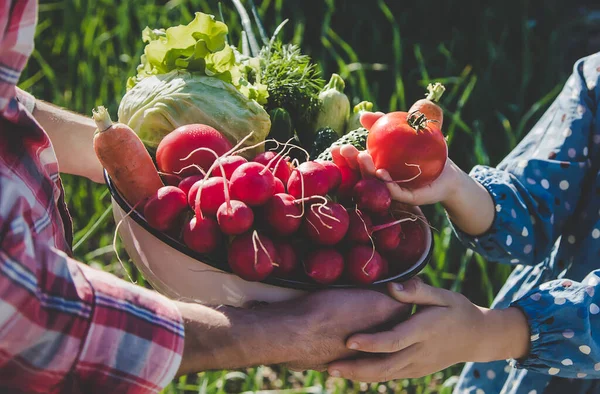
x,y
414,155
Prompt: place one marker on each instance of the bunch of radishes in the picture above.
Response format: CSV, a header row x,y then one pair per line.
x,y
274,217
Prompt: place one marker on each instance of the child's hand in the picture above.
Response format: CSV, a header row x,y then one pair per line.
x,y
439,191
449,330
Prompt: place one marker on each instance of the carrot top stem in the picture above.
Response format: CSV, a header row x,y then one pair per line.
x,y
436,91
102,118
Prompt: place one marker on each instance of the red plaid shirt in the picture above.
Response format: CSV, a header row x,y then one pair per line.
x,y
64,327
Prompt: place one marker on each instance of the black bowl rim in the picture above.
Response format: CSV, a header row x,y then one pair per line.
x,y
271,280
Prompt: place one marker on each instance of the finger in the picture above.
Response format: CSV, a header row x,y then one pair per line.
x,y
337,157
365,162
350,153
367,119
374,369
415,291
397,192
400,337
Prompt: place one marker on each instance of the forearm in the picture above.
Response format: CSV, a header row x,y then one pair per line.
x,y
469,205
72,138
229,338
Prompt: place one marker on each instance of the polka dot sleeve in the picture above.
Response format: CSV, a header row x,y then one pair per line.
x,y
564,318
537,187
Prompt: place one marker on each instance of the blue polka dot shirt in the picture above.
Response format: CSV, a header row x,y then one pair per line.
x,y
547,225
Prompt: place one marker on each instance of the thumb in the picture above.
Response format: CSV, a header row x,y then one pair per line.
x,y
368,119
415,291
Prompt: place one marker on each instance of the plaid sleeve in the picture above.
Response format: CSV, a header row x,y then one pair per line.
x,y
65,327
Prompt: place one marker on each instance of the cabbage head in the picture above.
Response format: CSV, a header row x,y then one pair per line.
x,y
159,104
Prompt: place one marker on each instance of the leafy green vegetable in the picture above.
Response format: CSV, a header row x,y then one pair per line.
x,y
198,47
159,104
293,82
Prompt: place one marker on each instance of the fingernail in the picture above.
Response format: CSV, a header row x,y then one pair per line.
x,y
335,373
353,345
398,286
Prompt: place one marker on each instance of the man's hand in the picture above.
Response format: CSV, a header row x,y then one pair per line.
x,y
448,330
306,333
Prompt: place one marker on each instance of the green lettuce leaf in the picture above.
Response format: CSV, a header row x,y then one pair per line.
x,y
199,47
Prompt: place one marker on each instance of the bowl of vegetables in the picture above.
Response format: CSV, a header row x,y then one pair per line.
x,y
295,263
222,178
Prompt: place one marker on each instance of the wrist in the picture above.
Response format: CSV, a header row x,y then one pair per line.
x,y
505,335
469,204
230,338
456,181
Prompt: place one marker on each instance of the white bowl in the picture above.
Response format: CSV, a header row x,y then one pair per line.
x,y
182,274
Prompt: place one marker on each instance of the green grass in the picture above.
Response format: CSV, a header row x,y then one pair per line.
x,y
502,64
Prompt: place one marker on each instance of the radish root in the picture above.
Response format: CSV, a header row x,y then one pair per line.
x,y
114,243
302,200
410,179
360,216
188,167
391,224
255,240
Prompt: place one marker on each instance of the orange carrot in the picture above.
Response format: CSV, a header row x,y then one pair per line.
x,y
428,106
125,159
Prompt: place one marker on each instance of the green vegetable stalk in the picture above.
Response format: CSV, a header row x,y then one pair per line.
x,y
282,128
335,106
359,109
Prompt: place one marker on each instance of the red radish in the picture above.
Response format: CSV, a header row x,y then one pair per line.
x,y
184,140
360,227
288,261
283,214
388,238
229,164
412,245
349,179
278,165
171,179
324,266
193,192
364,264
187,183
410,147
385,272
333,173
210,196
326,224
235,218
252,256
252,183
386,232
308,179
163,209
372,195
202,234
279,187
